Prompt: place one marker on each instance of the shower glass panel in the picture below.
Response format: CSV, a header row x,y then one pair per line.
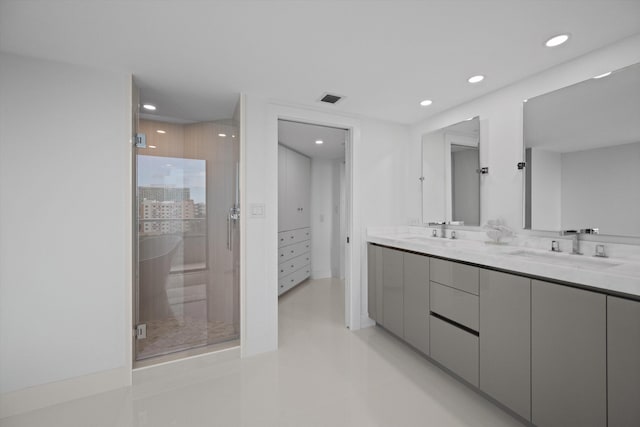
x,y
187,293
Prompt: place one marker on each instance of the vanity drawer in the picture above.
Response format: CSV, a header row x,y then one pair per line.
x,y
293,279
455,349
293,236
287,252
459,276
293,264
461,307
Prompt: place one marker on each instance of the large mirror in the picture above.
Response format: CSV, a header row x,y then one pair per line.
x,y
582,153
451,174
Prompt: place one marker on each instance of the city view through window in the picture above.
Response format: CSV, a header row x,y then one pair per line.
x,y
172,201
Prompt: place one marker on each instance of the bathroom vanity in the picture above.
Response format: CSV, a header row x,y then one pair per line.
x,y
552,337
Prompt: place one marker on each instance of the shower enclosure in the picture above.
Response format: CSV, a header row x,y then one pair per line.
x,y
187,234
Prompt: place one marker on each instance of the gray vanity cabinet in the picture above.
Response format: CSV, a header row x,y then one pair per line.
x,y
505,341
374,288
623,361
392,290
416,301
568,356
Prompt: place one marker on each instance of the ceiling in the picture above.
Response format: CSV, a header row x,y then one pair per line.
x,y
302,137
591,114
384,56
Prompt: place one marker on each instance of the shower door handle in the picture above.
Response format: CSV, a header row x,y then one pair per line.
x,y
229,231
232,217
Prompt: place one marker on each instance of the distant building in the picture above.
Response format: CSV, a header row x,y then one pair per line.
x,y
201,210
164,194
173,205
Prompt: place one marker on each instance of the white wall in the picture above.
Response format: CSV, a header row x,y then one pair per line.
x,y
382,175
501,130
546,189
65,224
600,189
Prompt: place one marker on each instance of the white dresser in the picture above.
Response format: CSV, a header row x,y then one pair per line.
x,y
294,233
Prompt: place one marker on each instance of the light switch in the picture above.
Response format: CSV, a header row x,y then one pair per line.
x,y
257,210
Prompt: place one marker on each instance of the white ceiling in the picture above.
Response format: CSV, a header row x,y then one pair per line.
x,y
302,138
591,114
385,56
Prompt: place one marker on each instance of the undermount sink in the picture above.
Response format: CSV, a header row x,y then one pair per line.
x,y
564,259
431,240
439,241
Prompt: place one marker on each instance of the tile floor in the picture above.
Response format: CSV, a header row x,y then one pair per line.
x,y
322,375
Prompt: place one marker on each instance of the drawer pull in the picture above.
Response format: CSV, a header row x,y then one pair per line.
x,y
454,323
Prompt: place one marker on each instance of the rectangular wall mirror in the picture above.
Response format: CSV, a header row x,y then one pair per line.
x,y
451,174
582,153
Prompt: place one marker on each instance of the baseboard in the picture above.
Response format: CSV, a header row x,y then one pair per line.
x,y
321,274
365,321
170,368
41,396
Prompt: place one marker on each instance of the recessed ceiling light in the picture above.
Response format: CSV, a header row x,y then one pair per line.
x,y
153,146
426,102
222,134
161,131
319,141
525,100
557,40
149,107
599,76
476,79
470,118
233,136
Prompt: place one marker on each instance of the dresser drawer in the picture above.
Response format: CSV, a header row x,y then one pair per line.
x,y
287,267
459,276
455,348
293,279
461,307
292,251
293,236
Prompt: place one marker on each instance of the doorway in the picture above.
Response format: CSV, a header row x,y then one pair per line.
x,y
187,232
312,204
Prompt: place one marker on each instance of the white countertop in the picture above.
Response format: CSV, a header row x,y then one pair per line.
x,y
616,275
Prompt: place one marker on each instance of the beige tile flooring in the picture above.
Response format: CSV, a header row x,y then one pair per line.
x,y
322,375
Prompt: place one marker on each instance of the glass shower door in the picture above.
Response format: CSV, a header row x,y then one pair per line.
x,y
187,293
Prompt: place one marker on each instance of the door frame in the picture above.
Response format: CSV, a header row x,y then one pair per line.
x,y
352,146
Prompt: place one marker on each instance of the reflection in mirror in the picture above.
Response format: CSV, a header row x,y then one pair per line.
x,y
450,174
582,151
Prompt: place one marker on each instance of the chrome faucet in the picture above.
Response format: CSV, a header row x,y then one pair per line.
x,y
576,237
443,227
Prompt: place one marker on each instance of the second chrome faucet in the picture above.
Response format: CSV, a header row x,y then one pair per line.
x,y
576,237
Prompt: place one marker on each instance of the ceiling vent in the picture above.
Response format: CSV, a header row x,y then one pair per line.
x,y
331,98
